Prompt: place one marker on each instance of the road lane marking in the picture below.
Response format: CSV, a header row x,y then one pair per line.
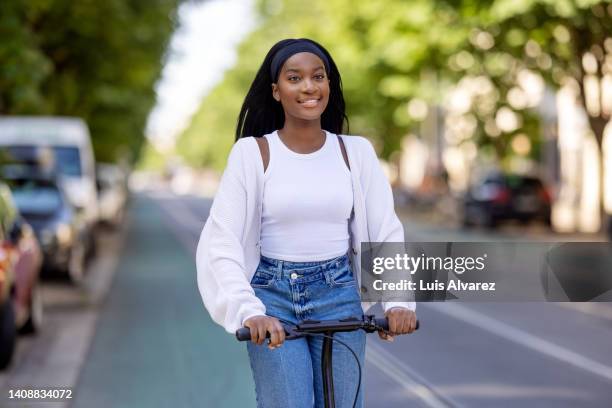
x,y
526,339
406,377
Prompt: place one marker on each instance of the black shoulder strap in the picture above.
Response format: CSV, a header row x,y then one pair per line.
x,y
343,149
264,150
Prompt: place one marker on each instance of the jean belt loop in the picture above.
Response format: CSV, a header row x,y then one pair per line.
x,y
279,270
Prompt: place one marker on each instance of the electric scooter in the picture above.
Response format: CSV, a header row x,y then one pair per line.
x,y
326,329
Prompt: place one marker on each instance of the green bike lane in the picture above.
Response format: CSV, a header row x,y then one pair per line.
x,y
154,344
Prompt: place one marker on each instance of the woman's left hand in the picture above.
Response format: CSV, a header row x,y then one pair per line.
x,y
401,321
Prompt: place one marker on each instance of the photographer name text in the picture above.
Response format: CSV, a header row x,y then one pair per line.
x,y
453,284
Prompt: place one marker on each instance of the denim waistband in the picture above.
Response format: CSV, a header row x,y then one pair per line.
x,y
304,267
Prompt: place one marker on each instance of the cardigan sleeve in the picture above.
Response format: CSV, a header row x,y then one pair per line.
x,y
383,223
220,256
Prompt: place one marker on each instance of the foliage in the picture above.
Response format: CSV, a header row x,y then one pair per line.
x,y
151,158
96,60
552,39
396,55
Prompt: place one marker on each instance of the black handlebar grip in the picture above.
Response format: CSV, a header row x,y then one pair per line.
x,y
243,334
384,323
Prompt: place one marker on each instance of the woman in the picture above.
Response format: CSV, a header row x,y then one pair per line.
x,y
284,232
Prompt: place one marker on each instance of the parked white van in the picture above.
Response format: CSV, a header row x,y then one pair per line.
x,y
73,159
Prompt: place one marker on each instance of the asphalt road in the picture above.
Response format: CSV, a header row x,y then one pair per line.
x,y
138,335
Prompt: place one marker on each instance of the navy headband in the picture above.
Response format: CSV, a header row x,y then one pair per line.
x,y
289,50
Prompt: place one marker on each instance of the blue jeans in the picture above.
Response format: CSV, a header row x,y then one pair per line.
x,y
290,376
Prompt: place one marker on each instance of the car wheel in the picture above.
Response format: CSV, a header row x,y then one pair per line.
x,y
35,319
491,222
484,219
8,334
76,265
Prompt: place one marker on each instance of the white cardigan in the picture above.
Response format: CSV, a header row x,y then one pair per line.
x,y
229,248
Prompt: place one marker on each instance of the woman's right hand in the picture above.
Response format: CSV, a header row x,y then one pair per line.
x,y
260,325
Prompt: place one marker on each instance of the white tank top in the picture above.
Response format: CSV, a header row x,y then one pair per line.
x,y
307,202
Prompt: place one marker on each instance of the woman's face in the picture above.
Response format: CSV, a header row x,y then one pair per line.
x,y
302,87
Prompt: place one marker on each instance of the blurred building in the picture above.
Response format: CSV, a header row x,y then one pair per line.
x,y
570,162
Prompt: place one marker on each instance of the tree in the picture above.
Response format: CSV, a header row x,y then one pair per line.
x,y
95,60
396,55
559,41
376,45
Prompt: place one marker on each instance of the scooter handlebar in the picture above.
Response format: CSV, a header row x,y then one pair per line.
x,y
244,333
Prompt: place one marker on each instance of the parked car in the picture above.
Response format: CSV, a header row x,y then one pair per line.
x,y
8,330
62,143
20,261
111,182
501,196
61,230
27,297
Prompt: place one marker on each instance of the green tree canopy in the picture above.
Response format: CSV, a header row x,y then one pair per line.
x,y
394,55
91,59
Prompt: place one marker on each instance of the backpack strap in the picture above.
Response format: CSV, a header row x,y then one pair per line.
x,y
264,149
343,149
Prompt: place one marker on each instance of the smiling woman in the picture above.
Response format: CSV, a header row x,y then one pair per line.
x,y
283,239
